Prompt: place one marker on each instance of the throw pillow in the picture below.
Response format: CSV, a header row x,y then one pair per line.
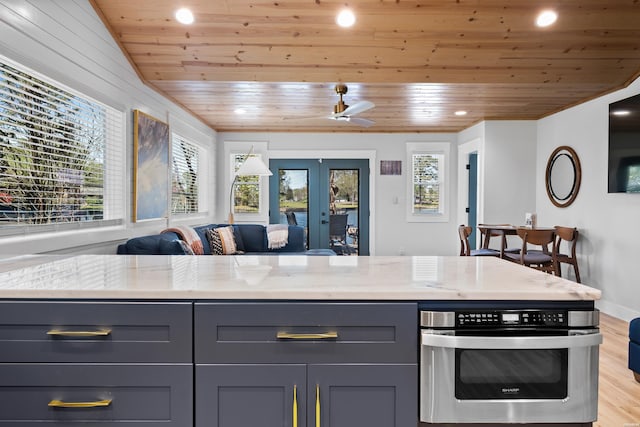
x,y
222,241
214,242
228,240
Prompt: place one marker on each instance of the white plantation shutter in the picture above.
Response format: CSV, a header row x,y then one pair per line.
x,y
62,162
184,176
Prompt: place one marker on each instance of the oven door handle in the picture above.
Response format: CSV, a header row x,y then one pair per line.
x,y
498,343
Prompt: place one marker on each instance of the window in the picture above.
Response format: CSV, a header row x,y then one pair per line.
x,y
246,189
61,155
184,176
427,185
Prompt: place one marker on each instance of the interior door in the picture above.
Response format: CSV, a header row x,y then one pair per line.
x,y
319,194
472,203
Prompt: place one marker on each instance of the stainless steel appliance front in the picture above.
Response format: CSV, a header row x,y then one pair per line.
x,y
509,366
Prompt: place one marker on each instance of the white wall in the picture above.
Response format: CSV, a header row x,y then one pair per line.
x,y
609,245
506,165
391,234
66,41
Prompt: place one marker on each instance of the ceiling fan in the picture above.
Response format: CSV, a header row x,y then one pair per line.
x,y
345,113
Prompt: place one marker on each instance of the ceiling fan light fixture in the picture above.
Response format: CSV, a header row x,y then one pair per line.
x,y
184,16
546,18
346,18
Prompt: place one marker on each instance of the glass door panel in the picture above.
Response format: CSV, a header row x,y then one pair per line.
x,y
328,197
294,197
344,187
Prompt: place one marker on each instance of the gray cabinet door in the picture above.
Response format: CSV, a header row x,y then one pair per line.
x,y
248,332
363,395
95,332
64,395
250,395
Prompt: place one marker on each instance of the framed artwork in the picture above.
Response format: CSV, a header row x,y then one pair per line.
x,y
150,167
390,167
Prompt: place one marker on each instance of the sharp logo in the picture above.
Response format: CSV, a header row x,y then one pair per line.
x,y
511,390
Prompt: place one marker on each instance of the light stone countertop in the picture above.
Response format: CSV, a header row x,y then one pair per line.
x,y
287,277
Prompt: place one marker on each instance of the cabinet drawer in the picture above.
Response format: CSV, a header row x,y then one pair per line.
x,y
305,332
158,395
95,332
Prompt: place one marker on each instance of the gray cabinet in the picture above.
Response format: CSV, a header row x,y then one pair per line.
x,y
334,364
372,395
208,364
250,395
95,394
96,363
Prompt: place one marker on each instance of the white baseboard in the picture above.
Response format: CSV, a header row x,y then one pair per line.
x,y
617,310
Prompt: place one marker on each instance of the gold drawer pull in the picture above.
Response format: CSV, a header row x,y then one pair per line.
x,y
97,404
320,336
59,333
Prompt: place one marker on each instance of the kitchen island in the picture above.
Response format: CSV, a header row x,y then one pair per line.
x,y
302,341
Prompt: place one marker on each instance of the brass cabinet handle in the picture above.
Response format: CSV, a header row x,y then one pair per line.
x,y
60,333
317,405
96,404
295,406
320,336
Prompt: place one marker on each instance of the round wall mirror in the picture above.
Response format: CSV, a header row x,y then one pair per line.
x,y
563,176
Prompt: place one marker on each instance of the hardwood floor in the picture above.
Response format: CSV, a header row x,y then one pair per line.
x,y
619,393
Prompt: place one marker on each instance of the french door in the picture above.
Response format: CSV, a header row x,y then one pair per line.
x,y
329,197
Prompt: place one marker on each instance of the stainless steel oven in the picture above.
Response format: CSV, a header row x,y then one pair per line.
x,y
509,366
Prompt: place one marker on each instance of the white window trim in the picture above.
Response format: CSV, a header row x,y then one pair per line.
x,y
260,148
445,190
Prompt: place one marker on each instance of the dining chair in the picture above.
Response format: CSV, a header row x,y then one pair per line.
x,y
338,234
540,259
464,231
570,236
291,218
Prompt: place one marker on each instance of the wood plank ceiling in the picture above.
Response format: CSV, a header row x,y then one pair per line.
x,y
418,61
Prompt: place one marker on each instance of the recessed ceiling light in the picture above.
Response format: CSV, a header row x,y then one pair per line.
x,y
460,113
346,18
184,16
546,18
240,111
621,113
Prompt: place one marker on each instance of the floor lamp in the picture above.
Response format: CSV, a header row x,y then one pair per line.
x,y
252,165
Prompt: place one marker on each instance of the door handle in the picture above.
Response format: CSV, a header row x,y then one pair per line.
x,y
295,405
324,221
317,405
530,342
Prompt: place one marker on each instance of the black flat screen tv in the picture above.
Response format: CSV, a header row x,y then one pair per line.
x,y
624,145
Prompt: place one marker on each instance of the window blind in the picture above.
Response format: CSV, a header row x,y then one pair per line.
x,y
184,177
61,156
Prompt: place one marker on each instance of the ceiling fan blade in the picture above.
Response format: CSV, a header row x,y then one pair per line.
x,y
357,108
304,118
361,122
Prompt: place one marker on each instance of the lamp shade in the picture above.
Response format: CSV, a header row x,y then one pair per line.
x,y
253,166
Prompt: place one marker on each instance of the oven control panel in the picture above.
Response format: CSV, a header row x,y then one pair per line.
x,y
511,318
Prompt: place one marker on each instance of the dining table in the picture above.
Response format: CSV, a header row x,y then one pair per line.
x,y
502,230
